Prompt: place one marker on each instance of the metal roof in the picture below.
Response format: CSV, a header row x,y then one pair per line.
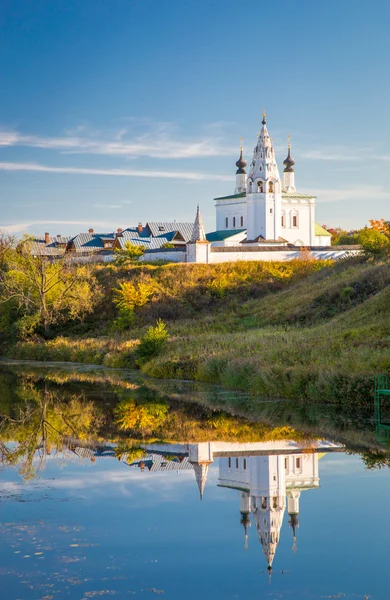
x,y
91,241
296,195
241,195
149,243
223,234
318,230
55,246
157,229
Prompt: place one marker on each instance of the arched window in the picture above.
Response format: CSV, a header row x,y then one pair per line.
x,y
226,222
283,221
260,187
295,221
242,221
264,502
271,187
275,502
234,222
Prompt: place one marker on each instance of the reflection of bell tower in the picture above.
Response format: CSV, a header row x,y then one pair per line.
x,y
268,496
245,509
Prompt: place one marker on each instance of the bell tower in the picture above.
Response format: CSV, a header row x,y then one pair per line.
x,y
263,185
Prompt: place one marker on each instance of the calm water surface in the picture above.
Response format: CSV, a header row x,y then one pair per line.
x,y
110,488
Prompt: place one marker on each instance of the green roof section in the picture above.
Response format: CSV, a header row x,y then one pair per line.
x,y
242,195
296,195
223,234
318,230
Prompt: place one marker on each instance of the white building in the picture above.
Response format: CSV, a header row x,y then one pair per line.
x,y
266,210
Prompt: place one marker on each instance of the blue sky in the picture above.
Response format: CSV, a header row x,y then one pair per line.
x,y
119,111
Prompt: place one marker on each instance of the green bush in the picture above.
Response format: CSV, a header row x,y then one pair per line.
x,y
152,343
374,242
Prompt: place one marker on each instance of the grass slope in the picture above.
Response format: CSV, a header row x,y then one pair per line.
x,y
306,330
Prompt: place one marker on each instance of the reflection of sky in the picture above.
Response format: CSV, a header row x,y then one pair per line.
x,y
137,531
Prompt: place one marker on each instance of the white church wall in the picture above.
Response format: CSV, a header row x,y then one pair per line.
x,y
230,210
302,231
322,240
278,255
175,256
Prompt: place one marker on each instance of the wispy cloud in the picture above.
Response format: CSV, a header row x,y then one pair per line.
x,y
365,192
188,175
105,206
339,153
23,227
157,143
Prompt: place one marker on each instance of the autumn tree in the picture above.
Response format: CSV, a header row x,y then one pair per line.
x,y
381,225
46,291
7,243
129,254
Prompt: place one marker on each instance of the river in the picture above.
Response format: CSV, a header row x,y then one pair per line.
x,y
113,485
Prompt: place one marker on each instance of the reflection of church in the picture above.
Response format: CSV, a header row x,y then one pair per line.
x,y
264,483
269,477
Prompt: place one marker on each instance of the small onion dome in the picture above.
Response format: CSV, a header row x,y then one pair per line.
x,y
241,164
288,163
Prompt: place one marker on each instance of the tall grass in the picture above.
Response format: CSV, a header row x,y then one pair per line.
x,y
299,330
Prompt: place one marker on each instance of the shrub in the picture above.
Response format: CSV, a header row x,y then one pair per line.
x,y
152,343
129,295
374,242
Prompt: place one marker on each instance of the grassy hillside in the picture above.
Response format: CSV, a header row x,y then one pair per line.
x,y
298,330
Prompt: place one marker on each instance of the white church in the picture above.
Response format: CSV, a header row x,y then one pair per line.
x,y
265,209
266,218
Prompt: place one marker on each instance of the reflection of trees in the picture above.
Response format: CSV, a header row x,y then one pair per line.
x,y
41,423
142,417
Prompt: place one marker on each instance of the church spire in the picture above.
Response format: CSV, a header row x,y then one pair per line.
x,y
198,233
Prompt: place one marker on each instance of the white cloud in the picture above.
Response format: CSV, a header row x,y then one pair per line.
x,y
156,143
105,206
188,175
365,192
339,153
22,227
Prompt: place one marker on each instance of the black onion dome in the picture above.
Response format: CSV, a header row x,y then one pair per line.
x,y
241,164
288,163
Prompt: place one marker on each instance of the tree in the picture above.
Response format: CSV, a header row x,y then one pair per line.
x,y
7,243
130,254
46,291
381,225
374,242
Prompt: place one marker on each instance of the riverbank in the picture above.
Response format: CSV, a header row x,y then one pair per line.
x,y
317,331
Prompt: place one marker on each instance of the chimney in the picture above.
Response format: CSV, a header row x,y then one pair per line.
x,y
47,238
58,235
91,230
119,230
140,228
